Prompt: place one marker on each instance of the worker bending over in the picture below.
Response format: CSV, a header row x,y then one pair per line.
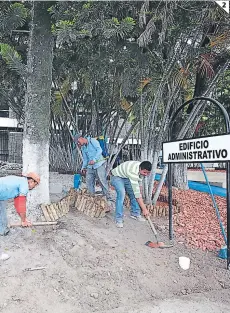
x,y
17,188
127,177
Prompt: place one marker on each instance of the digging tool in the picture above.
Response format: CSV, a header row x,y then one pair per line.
x,y
158,244
35,224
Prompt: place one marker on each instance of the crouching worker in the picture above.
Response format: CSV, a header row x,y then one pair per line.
x,y
17,188
127,178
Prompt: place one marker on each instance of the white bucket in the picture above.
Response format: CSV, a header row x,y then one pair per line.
x,y
184,262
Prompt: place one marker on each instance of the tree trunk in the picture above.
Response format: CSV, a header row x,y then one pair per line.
x,y
93,125
179,171
179,176
37,106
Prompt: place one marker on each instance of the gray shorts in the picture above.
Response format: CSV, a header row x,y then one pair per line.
x,y
3,218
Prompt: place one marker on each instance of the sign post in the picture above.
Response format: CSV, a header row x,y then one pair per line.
x,y
199,150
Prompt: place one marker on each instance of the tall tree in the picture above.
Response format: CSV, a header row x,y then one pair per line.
x,y
38,96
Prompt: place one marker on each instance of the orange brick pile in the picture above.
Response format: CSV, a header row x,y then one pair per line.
x,y
197,225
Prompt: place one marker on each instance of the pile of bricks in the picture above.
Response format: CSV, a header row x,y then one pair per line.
x,y
91,205
161,208
53,211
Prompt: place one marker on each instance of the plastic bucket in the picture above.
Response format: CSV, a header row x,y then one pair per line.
x,y
76,181
184,262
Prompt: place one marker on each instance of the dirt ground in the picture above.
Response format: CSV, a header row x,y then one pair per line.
x,y
91,266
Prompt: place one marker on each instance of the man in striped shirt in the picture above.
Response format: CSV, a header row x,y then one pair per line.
x,y
127,177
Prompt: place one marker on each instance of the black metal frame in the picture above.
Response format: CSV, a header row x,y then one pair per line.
x,y
227,123
4,150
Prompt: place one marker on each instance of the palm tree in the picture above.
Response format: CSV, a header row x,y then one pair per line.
x,y
175,35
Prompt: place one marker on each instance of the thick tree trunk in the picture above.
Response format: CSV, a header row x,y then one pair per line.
x,y
179,171
37,106
180,177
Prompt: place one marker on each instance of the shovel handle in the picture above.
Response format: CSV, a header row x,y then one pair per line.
x,y
160,245
35,224
152,226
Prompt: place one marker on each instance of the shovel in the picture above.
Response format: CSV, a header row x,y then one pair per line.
x,y
158,244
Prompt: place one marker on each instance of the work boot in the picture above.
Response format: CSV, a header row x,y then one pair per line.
x,y
138,218
4,257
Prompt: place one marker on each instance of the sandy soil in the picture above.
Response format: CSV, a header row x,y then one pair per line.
x,y
91,266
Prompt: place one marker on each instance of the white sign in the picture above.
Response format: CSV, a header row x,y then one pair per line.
x,y
205,149
224,5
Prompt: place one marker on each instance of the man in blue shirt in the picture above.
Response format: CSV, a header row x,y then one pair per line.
x,y
93,163
17,188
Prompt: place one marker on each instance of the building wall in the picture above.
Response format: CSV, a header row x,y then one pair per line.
x,y
10,137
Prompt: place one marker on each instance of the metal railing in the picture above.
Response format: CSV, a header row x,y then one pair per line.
x,y
4,141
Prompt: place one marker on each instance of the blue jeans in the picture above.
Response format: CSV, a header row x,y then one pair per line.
x,y
121,186
3,218
100,174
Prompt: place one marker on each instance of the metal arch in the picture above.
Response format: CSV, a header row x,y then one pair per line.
x,y
227,124
217,103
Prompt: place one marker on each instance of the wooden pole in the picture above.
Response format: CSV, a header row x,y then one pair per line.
x,y
35,224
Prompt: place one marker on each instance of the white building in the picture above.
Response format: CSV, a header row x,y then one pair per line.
x,y
10,137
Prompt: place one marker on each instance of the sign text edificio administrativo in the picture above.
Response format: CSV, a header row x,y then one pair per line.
x,y
206,149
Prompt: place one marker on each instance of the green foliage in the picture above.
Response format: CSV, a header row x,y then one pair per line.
x,y
64,30
12,58
118,29
86,5
56,105
12,18
97,48
65,87
57,98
